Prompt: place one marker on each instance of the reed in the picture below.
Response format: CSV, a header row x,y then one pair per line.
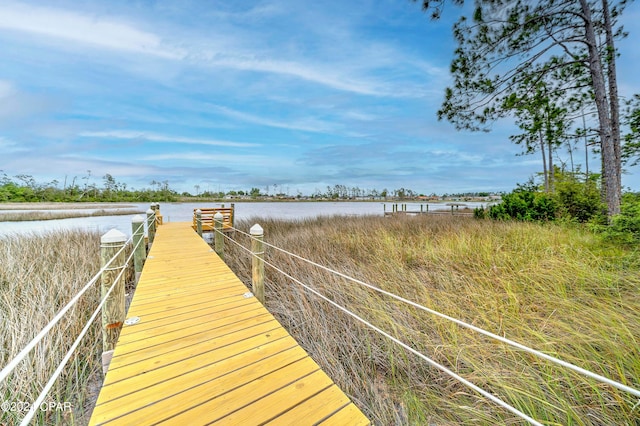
x,y
38,276
554,288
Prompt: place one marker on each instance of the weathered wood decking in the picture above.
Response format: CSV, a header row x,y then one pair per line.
x,y
204,353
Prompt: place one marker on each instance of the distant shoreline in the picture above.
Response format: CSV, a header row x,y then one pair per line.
x,y
128,204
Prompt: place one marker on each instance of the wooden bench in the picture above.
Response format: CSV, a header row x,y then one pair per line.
x,y
208,223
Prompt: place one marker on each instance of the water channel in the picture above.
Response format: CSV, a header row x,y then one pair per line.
x,y
182,212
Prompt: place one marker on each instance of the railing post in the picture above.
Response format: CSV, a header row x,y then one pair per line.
x,y
159,220
199,221
257,262
139,253
218,239
113,310
151,223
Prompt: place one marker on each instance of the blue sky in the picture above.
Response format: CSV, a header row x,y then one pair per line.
x,y
294,95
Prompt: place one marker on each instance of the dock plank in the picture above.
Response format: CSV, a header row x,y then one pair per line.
x,y
204,353
175,352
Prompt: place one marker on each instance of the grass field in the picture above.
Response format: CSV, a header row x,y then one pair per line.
x,y
557,289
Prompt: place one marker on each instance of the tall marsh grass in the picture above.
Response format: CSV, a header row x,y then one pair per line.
x,y
39,274
556,289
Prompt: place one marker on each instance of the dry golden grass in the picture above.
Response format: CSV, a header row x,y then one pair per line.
x,y
556,289
39,274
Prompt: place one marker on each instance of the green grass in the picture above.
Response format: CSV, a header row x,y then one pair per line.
x,y
557,289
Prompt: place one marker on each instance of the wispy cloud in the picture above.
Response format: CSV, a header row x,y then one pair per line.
x,y
78,28
6,89
213,159
8,146
352,74
156,137
308,124
16,104
315,73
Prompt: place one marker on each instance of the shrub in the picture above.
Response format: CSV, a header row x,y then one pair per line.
x,y
577,200
526,205
625,227
573,199
480,212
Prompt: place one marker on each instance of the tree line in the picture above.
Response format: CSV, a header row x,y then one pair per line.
x,y
354,192
24,188
335,192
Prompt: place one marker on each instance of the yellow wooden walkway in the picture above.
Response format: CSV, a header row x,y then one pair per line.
x,y
203,353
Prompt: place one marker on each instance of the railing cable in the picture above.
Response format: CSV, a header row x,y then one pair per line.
x,y
36,405
414,351
461,323
25,351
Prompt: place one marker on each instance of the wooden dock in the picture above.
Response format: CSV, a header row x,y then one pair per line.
x,y
203,352
401,210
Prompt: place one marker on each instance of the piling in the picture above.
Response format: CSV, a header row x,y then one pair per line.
x,y
218,240
159,219
199,221
113,311
139,251
257,262
151,221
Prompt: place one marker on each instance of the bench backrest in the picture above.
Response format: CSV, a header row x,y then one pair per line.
x,y
208,221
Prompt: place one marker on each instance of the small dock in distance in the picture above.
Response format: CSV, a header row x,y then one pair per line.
x,y
204,351
206,218
401,209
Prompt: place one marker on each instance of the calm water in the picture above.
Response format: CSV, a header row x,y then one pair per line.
x,y
182,212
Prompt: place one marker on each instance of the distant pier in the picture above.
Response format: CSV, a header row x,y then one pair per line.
x,y
457,209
